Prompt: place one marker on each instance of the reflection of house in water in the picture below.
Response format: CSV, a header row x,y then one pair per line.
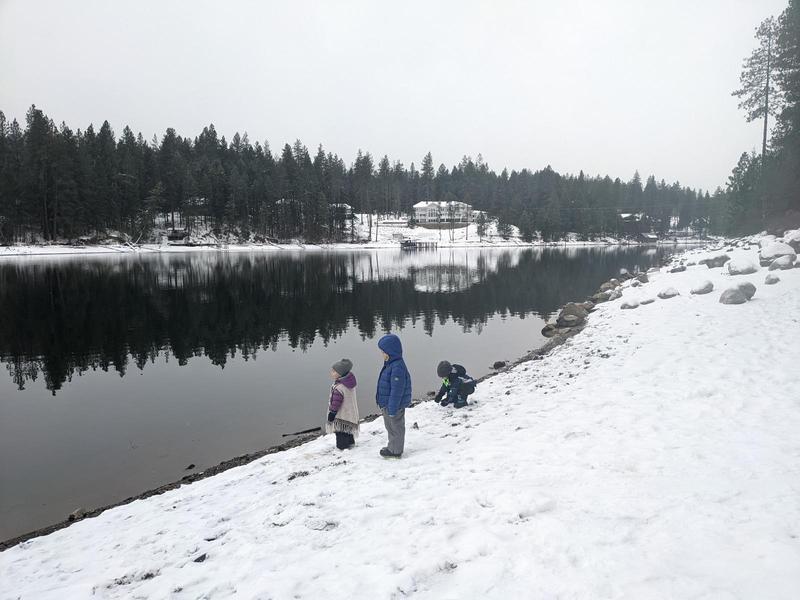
x,y
444,270
444,279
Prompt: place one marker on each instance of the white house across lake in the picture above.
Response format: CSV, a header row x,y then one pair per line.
x,y
442,212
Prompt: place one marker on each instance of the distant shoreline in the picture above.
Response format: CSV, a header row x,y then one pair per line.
x,y
14,251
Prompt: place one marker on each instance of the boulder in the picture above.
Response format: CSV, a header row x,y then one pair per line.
x,y
588,306
793,239
642,278
647,301
636,283
600,297
747,288
771,279
572,309
678,269
614,294
691,263
628,304
607,287
704,288
742,266
77,514
733,296
782,263
499,364
667,293
614,281
568,321
775,250
549,330
715,262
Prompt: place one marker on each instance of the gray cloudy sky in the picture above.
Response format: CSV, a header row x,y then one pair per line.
x,y
607,87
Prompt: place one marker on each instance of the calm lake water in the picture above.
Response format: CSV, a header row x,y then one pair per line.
x,y
122,370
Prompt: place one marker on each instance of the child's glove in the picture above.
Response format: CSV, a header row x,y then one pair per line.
x,y
331,416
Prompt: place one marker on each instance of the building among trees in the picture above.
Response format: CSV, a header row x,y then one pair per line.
x,y
442,212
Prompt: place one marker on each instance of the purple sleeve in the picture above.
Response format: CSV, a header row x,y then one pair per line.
x,y
336,400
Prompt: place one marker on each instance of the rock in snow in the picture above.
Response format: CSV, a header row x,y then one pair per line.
x,y
704,288
793,239
733,296
678,269
667,293
574,310
748,289
715,262
772,251
628,304
771,279
742,266
782,263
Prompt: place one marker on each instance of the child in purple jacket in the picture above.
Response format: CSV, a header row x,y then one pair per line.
x,y
343,405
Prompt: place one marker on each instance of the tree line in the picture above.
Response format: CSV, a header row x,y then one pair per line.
x,y
764,187
56,183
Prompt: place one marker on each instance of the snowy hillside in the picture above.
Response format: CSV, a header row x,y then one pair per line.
x,y
653,455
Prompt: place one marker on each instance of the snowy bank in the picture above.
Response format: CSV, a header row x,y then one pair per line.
x,y
382,237
653,455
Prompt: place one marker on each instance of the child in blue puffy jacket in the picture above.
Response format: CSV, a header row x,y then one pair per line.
x,y
393,394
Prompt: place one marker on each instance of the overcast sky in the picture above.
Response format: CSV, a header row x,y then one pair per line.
x,y
607,87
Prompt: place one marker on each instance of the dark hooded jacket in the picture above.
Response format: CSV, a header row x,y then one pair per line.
x,y
394,382
452,383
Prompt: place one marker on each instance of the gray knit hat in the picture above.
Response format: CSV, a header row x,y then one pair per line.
x,y
443,370
342,367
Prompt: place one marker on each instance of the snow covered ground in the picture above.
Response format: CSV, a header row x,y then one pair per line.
x,y
654,455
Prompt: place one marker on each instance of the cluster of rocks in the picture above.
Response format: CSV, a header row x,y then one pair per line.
x,y
777,256
574,314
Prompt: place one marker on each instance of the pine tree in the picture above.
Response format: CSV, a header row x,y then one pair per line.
x,y
758,94
426,177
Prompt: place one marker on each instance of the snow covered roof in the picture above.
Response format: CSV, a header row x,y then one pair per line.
x,y
426,204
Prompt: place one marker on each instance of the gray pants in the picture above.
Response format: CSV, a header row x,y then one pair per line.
x,y
396,428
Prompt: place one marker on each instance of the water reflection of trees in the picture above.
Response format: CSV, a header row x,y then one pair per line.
x,y
59,319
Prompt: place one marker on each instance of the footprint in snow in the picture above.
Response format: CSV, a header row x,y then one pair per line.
x,y
321,524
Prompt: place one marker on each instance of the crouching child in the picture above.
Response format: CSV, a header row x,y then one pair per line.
x,y
456,385
343,405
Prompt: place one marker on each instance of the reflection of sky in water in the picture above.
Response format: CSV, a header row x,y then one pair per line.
x,y
104,436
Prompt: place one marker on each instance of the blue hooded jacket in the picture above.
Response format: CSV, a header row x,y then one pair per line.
x,y
394,382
